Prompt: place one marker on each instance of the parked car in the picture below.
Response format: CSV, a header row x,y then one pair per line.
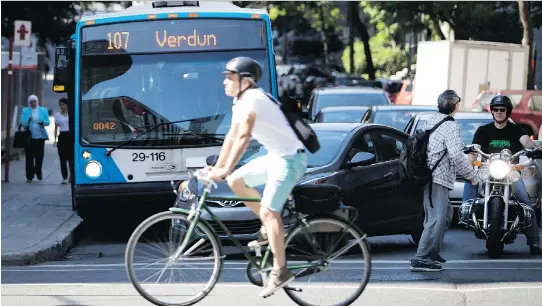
x,y
344,114
359,158
396,116
345,96
469,123
527,110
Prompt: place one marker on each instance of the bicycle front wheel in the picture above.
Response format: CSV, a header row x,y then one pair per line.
x,y
343,258
150,259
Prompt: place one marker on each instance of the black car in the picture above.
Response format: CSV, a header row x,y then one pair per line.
x,y
362,160
396,116
341,114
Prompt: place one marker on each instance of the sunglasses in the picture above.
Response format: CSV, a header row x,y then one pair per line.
x,y
499,110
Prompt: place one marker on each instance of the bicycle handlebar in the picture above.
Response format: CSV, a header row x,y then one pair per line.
x,y
203,175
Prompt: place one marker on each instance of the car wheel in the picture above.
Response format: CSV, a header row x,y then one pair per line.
x,y
416,235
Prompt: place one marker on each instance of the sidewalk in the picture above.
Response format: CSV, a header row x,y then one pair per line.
x,y
38,223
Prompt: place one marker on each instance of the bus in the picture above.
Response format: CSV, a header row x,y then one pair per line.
x,y
145,86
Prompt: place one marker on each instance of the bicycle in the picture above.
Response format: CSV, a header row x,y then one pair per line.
x,y
305,214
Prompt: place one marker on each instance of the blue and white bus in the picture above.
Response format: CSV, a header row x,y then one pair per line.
x,y
147,95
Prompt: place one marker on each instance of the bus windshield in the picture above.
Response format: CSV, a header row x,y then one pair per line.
x,y
123,94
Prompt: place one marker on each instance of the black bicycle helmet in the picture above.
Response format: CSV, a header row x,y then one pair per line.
x,y
245,66
447,101
500,100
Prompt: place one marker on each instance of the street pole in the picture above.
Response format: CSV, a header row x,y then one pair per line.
x,y
20,81
8,112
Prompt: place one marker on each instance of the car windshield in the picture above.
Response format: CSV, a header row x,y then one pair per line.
x,y
347,116
123,95
357,99
330,141
467,127
396,118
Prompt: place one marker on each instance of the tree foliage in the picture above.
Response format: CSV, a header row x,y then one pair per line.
x,y
52,21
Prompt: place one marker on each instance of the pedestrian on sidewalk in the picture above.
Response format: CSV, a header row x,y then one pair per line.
x,y
63,140
35,118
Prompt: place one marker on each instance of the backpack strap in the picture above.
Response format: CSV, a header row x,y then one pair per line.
x,y
448,118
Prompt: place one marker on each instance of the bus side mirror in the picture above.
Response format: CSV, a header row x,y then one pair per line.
x,y
62,72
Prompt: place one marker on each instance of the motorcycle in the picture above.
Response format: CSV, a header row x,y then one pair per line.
x,y
495,215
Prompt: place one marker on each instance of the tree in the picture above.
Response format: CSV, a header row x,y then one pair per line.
x,y
527,40
52,21
353,9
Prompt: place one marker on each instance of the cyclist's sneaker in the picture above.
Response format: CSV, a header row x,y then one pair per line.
x,y
261,241
420,266
277,280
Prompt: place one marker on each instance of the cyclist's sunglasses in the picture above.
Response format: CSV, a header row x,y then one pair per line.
x,y
499,110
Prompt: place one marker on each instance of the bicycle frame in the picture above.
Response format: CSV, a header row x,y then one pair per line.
x,y
195,213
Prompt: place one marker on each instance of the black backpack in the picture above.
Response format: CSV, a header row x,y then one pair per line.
x,y
302,129
413,167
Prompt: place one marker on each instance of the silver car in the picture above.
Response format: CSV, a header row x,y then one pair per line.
x,y
469,123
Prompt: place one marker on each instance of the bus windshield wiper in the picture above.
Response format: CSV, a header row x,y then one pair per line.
x,y
200,135
152,128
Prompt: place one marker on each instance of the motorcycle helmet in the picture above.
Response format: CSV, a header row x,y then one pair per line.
x,y
501,100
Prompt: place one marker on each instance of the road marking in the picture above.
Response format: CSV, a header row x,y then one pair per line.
x,y
226,263
405,268
462,288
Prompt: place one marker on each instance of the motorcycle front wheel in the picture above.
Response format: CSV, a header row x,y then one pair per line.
x,y
494,245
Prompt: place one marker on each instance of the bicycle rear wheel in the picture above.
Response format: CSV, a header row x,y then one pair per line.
x,y
331,239
200,260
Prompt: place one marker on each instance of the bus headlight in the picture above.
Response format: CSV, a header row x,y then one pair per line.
x,y
93,169
498,169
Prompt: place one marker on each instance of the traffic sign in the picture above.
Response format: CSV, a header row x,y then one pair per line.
x,y
23,32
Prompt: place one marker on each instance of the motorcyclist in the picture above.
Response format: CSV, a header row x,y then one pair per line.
x,y
493,138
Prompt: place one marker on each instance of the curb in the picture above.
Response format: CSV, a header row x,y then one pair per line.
x,y
53,248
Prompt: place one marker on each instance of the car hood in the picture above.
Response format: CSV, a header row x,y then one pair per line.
x,y
223,190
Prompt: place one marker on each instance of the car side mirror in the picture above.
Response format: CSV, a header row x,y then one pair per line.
x,y
211,160
362,159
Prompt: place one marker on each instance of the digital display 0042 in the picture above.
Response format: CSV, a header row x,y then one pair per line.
x,y
179,35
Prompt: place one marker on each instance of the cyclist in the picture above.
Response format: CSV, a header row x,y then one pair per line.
x,y
256,115
493,138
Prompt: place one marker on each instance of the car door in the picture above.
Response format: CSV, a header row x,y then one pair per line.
x,y
403,200
371,188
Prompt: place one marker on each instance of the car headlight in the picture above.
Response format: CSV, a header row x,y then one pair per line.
x,y
499,169
188,189
93,169
314,180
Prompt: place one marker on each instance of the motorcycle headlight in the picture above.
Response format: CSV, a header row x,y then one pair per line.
x,y
514,176
483,173
499,169
528,172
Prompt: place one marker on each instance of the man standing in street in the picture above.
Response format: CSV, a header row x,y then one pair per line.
x,y
445,145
